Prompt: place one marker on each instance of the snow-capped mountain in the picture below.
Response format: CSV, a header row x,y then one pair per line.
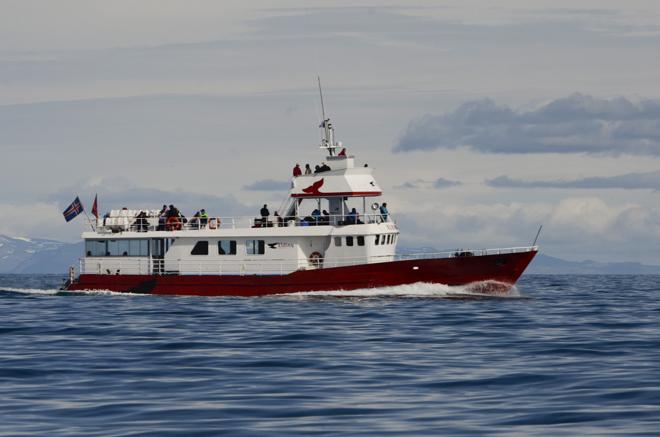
x,y
35,255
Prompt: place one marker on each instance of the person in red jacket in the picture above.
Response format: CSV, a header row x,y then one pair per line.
x,y
297,171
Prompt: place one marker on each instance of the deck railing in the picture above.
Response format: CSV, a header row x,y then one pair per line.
x,y
146,266
129,223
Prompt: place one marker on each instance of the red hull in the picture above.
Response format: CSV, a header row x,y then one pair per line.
x,y
505,269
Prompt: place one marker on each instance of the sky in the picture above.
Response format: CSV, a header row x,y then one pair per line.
x,y
482,120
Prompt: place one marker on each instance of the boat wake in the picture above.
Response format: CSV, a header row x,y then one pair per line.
x,y
475,290
57,291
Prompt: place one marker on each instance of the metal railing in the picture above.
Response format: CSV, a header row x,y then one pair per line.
x,y
154,223
145,266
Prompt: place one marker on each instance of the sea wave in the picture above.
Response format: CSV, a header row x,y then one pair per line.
x,y
483,289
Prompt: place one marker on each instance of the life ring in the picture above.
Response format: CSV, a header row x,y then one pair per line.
x,y
214,223
316,259
375,206
173,224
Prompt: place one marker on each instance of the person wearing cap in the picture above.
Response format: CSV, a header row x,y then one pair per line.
x,y
203,218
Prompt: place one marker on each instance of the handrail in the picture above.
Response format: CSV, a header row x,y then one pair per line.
x,y
144,265
119,224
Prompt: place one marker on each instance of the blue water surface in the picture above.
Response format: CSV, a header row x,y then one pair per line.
x,y
570,355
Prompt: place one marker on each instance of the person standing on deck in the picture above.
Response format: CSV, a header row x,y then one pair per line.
x,y
264,215
203,218
297,171
384,213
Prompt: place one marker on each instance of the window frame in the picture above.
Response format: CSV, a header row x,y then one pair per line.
x,y
232,248
202,243
259,246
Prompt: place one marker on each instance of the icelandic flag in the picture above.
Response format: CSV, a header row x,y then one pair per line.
x,y
73,210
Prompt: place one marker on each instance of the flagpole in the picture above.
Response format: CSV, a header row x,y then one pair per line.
x,y
93,226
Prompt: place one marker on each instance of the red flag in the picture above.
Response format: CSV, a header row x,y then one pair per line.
x,y
95,207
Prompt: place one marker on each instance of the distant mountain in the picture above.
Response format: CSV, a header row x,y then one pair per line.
x,y
549,265
35,255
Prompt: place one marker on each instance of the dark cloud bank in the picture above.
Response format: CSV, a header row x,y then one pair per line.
x,y
630,181
573,124
439,184
268,185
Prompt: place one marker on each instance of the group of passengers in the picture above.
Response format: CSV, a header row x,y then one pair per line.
x,y
171,219
297,171
264,222
316,218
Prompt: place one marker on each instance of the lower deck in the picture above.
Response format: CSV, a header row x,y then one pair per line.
x,y
503,267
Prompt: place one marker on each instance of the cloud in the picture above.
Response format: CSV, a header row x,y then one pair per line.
x,y
630,181
438,184
268,185
574,228
444,183
575,124
115,193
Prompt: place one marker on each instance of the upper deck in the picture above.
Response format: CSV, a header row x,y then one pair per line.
x,y
126,223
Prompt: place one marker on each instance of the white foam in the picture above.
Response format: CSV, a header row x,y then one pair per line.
x,y
420,289
29,290
54,291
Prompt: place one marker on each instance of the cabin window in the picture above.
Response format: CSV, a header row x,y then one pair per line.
x,y
132,247
390,239
377,239
157,247
122,248
201,248
117,248
227,247
338,241
360,240
95,247
255,247
349,241
138,247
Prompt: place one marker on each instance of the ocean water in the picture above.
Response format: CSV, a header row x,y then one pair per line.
x,y
576,355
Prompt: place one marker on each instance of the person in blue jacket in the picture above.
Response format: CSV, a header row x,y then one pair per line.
x,y
384,213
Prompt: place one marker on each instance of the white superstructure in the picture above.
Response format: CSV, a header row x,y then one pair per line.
x,y
143,242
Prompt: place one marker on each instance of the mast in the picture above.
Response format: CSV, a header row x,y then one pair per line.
x,y
321,94
328,140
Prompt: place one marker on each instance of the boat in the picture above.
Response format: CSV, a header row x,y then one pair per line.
x,y
331,233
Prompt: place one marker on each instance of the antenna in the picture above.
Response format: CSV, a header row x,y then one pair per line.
x,y
537,236
321,94
328,140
